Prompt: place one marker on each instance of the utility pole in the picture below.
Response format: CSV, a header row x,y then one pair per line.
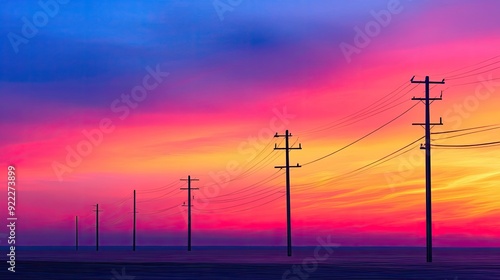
x,y
427,125
76,232
97,227
189,206
135,212
287,167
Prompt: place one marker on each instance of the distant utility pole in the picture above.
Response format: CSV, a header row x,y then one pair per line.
x,y
135,212
428,198
97,227
76,232
189,206
287,167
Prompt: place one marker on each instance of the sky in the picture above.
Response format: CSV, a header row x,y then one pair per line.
x,y
103,98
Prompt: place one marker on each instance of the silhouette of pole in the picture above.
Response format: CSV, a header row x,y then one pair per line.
x,y
97,227
133,242
427,125
287,168
189,179
76,232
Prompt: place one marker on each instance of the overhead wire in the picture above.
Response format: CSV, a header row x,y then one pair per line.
x,y
362,112
362,168
465,67
363,137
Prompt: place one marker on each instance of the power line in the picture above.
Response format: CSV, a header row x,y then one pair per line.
x,y
352,117
465,67
121,201
245,203
366,116
250,187
464,129
368,168
257,206
361,138
470,75
263,164
258,193
374,114
470,83
466,145
255,158
467,133
156,198
255,168
466,148
157,211
251,170
160,189
363,168
476,69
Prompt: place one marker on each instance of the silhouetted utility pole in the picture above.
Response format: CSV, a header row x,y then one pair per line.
x,y
97,227
427,125
76,232
287,167
189,206
135,212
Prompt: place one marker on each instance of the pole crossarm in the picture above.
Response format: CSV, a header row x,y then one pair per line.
x,y
291,166
425,81
430,98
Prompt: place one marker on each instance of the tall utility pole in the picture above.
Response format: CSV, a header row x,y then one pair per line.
x,y
135,212
427,125
287,167
76,232
189,206
97,227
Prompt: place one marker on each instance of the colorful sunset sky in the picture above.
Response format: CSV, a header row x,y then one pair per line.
x,y
106,97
